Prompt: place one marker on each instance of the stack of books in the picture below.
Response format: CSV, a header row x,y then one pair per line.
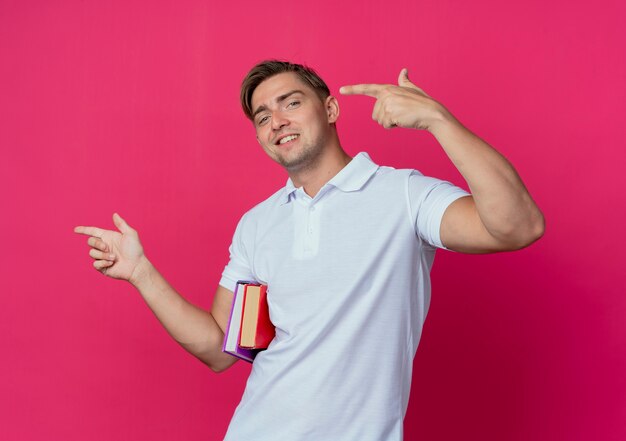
x,y
250,329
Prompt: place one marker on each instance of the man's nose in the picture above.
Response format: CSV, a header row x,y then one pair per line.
x,y
279,120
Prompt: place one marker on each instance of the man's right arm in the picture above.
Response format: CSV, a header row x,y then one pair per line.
x,y
119,255
199,332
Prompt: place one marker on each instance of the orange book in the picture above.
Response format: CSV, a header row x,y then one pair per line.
x,y
257,330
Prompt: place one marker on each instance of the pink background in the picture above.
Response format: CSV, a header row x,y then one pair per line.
x,y
133,107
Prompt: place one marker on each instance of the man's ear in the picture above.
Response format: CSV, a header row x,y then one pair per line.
x,y
332,109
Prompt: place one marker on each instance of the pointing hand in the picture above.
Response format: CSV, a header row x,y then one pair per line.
x,y
404,105
116,254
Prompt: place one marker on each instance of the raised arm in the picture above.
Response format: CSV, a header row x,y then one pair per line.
x,y
120,255
500,215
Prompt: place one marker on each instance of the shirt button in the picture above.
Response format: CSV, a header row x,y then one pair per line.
x,y
312,208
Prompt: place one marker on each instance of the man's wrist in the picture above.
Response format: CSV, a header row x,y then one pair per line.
x,y
442,120
141,273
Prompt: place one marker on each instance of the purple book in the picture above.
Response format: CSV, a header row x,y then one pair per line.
x,y
231,337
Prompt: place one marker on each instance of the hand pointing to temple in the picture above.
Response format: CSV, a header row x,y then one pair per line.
x,y
404,105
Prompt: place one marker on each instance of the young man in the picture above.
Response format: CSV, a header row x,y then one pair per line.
x,y
346,249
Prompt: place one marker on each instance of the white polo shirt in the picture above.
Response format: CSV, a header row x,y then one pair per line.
x,y
348,276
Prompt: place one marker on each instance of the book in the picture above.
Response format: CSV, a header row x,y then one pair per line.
x,y
260,311
257,330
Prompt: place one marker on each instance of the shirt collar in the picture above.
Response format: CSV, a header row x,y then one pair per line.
x,y
350,178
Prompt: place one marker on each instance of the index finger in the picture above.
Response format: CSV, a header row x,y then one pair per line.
x,y
362,89
89,231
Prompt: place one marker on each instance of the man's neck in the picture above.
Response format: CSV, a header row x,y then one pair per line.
x,y
313,178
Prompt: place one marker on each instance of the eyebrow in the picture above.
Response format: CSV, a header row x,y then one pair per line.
x,y
281,98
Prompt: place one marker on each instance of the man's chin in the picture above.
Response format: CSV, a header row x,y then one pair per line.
x,y
296,159
291,164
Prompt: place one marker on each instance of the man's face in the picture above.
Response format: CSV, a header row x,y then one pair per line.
x,y
292,124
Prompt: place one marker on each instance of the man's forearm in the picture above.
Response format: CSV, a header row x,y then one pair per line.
x,y
193,328
502,201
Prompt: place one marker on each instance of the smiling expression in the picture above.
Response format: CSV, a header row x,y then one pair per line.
x,y
292,124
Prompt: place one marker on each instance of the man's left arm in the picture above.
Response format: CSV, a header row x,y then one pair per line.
x,y
500,215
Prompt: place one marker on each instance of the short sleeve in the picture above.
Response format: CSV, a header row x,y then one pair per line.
x,y
428,199
239,266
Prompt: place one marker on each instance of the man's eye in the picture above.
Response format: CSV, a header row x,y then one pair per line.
x,y
293,103
262,120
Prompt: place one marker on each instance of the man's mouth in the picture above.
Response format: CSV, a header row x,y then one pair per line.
x,y
287,139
